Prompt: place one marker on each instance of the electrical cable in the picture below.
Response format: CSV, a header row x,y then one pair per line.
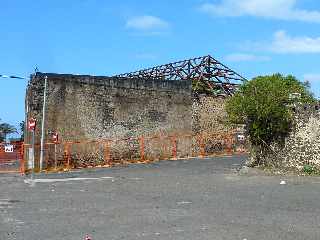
x,y
6,76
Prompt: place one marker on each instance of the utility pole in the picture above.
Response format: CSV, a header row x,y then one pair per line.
x,y
32,157
42,122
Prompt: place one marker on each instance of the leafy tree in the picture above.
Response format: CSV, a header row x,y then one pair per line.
x,y
262,104
6,129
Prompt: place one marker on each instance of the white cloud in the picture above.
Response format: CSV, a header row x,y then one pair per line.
x,y
283,43
146,23
242,57
273,9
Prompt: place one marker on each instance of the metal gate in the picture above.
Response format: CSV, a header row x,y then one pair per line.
x,y
11,157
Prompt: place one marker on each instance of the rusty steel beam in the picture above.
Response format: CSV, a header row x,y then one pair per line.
x,y
206,69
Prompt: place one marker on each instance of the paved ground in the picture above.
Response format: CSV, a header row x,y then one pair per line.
x,y
195,199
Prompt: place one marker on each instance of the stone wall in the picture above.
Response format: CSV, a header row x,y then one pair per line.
x,y
87,107
209,115
210,121
302,146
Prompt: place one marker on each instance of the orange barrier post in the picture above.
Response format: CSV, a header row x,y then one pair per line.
x,y
107,157
46,156
141,143
22,161
67,151
229,145
174,147
201,146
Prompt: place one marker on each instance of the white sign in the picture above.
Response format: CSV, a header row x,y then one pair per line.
x,y
8,148
241,137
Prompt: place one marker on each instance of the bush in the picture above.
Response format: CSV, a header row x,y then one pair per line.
x,y
262,104
308,169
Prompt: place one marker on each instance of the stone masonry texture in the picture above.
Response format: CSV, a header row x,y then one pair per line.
x,y
84,107
87,107
302,146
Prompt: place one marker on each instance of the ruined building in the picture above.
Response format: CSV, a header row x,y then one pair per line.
x,y
167,100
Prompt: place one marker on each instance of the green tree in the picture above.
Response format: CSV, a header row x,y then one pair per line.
x,y
5,129
262,104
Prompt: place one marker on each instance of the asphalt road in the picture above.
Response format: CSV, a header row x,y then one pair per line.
x,y
194,199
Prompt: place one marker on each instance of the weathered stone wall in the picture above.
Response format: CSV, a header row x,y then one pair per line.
x,y
302,146
209,115
86,107
210,121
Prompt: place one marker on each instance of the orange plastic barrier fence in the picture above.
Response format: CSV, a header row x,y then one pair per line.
x,y
106,152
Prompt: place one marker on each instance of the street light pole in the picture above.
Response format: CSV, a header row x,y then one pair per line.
x,y
42,122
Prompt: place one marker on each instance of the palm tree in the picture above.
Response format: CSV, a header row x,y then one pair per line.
x,y
22,125
5,129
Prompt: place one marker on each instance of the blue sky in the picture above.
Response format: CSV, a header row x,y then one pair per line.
x,y
253,37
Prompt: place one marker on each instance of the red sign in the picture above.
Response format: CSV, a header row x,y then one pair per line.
x,y
32,124
55,137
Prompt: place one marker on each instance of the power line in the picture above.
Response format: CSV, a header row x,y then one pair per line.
x,y
6,76
36,69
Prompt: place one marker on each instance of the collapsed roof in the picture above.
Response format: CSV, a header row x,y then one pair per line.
x,y
218,78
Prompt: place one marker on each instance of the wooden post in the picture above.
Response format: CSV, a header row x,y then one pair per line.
x,y
141,143
107,157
